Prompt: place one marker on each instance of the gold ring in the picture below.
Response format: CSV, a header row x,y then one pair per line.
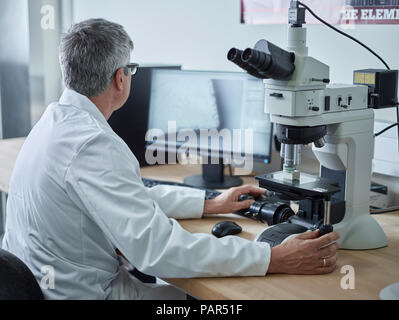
x,y
324,262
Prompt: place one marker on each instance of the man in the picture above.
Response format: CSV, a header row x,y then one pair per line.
x,y
76,196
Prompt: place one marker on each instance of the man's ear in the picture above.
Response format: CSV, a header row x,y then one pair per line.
x,y
118,80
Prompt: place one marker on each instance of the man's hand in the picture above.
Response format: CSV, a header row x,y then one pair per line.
x,y
228,202
306,254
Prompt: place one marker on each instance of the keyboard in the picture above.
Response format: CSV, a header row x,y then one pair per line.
x,y
209,193
151,183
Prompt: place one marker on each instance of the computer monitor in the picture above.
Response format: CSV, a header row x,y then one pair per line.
x,y
130,122
217,115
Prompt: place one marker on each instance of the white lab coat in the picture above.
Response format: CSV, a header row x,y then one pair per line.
x,y
76,195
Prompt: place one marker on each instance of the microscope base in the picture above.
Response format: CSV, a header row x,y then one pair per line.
x,y
280,233
362,233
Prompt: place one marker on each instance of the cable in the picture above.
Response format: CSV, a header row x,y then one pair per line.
x,y
364,46
386,129
343,33
381,211
392,125
397,117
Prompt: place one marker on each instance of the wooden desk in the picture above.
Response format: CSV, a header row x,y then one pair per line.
x,y
374,270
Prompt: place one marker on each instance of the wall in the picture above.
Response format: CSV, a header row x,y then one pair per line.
x,y
14,69
14,77
45,73
198,35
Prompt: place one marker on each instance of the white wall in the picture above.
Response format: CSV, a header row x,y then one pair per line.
x,y
45,72
198,35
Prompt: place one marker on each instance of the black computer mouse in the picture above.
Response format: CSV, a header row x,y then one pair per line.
x,y
226,228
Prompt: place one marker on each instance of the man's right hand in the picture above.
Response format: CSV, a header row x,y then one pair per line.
x,y
306,254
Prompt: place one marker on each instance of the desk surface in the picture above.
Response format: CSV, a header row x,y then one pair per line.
x,y
374,270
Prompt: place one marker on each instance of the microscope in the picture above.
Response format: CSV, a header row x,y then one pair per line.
x,y
338,120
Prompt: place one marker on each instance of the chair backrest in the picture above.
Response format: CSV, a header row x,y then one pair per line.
x,y
16,280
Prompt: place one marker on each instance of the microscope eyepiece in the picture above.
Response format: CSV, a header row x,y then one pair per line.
x,y
260,60
235,56
265,61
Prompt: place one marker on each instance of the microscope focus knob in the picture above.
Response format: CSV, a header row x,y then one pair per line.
x,y
326,229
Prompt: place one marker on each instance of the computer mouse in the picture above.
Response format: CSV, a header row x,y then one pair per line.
x,y
226,228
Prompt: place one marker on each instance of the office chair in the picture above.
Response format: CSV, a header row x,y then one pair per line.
x,y
16,280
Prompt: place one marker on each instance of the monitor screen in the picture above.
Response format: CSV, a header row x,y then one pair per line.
x,y
210,112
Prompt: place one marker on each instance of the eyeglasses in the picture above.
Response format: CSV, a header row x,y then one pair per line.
x,y
133,68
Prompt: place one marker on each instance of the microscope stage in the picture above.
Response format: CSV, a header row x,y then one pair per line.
x,y
308,186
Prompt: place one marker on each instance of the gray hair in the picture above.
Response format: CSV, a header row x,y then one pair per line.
x,y
90,54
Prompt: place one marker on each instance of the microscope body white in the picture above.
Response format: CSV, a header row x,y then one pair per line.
x,y
302,102
310,103
350,147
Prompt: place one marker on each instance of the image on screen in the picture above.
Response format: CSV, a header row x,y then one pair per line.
x,y
203,100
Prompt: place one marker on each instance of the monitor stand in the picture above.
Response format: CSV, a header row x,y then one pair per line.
x,y
213,177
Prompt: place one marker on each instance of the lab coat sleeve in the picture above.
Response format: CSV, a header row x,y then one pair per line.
x,y
104,182
178,202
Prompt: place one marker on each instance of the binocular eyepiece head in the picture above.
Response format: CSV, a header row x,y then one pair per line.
x,y
265,61
235,56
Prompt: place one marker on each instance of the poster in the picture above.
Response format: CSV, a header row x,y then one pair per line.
x,y
342,12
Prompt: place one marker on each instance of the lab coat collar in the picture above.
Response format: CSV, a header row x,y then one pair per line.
x,y
73,98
